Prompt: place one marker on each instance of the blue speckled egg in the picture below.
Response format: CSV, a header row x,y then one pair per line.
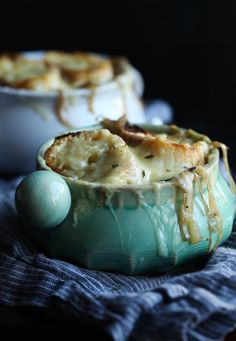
x,y
43,199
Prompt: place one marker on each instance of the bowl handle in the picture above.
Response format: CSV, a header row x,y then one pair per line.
x,y
43,199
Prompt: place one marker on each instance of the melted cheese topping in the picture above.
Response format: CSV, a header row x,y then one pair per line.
x,y
103,157
81,69
95,156
56,71
20,72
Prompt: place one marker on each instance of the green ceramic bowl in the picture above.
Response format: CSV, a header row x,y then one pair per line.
x,y
131,229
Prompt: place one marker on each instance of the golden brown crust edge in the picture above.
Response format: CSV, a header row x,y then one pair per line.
x,y
54,76
169,153
98,70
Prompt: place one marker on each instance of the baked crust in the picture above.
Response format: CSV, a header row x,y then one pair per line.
x,y
56,71
126,154
81,69
19,72
192,149
96,156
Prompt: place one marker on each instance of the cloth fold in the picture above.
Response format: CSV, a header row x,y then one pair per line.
x,y
197,304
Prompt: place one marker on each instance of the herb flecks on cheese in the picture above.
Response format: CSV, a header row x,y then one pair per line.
x,y
95,156
126,156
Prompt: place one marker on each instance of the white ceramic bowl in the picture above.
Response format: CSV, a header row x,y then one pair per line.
x,y
28,117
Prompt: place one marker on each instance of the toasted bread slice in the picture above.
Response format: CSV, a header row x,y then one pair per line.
x,y
132,134
96,156
162,156
126,154
19,72
81,69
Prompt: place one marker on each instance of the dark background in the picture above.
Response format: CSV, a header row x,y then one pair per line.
x,y
185,49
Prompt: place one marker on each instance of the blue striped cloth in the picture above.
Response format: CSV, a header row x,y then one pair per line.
x,y
195,305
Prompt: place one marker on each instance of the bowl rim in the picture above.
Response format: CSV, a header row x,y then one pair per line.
x,y
211,166
122,78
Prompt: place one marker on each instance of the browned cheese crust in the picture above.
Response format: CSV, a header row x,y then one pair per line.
x,y
56,71
81,69
127,151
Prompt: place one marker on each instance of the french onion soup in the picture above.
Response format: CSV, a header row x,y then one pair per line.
x,y
120,155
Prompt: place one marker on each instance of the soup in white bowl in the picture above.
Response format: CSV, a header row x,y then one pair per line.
x,y
42,94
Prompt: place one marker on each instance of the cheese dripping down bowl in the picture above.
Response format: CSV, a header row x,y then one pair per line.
x,y
44,93
134,199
